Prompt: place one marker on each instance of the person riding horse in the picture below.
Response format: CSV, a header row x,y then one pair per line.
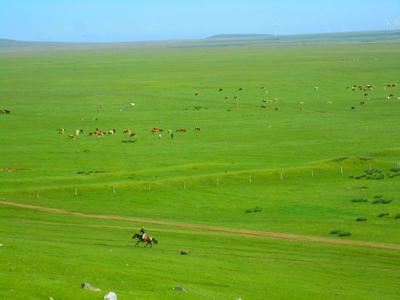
x,y
142,233
142,236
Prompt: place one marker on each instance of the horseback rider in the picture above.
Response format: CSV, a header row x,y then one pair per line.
x,y
142,233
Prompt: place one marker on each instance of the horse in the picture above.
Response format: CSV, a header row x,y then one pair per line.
x,y
147,239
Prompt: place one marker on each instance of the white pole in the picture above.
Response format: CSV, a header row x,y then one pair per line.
x,y
76,191
341,170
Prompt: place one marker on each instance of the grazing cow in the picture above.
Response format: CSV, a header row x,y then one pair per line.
x,y
240,89
276,108
263,106
5,111
353,108
362,102
262,87
197,129
71,136
235,97
111,132
226,97
220,90
133,134
154,130
127,131
181,130
196,94
316,88
61,130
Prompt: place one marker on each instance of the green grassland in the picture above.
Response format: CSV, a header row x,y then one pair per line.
x,y
286,167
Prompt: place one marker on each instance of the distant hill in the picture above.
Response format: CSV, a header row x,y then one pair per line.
x,y
220,40
240,36
304,38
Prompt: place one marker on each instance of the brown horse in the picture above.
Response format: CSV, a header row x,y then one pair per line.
x,y
147,239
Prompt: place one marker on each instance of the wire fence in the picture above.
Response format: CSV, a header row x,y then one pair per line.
x,y
217,181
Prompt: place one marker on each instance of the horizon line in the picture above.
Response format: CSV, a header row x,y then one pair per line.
x,y
198,38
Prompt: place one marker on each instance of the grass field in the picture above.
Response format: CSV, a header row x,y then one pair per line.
x,y
253,196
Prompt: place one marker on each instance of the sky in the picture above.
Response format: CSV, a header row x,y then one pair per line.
x,y
131,20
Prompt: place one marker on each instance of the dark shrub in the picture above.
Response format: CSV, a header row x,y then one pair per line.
x,y
359,200
383,215
343,234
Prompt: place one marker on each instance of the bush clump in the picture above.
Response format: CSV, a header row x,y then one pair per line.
x,y
256,209
341,233
381,201
383,215
359,200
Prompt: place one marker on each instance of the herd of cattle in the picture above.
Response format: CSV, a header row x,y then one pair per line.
x,y
365,89
127,132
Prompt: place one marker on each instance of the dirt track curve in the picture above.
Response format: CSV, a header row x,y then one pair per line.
x,y
237,231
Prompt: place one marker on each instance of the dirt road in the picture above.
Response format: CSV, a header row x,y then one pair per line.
x,y
230,230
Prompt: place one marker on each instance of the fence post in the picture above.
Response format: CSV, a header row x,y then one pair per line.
x,y
76,192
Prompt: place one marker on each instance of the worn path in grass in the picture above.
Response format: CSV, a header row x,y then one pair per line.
x,y
236,231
